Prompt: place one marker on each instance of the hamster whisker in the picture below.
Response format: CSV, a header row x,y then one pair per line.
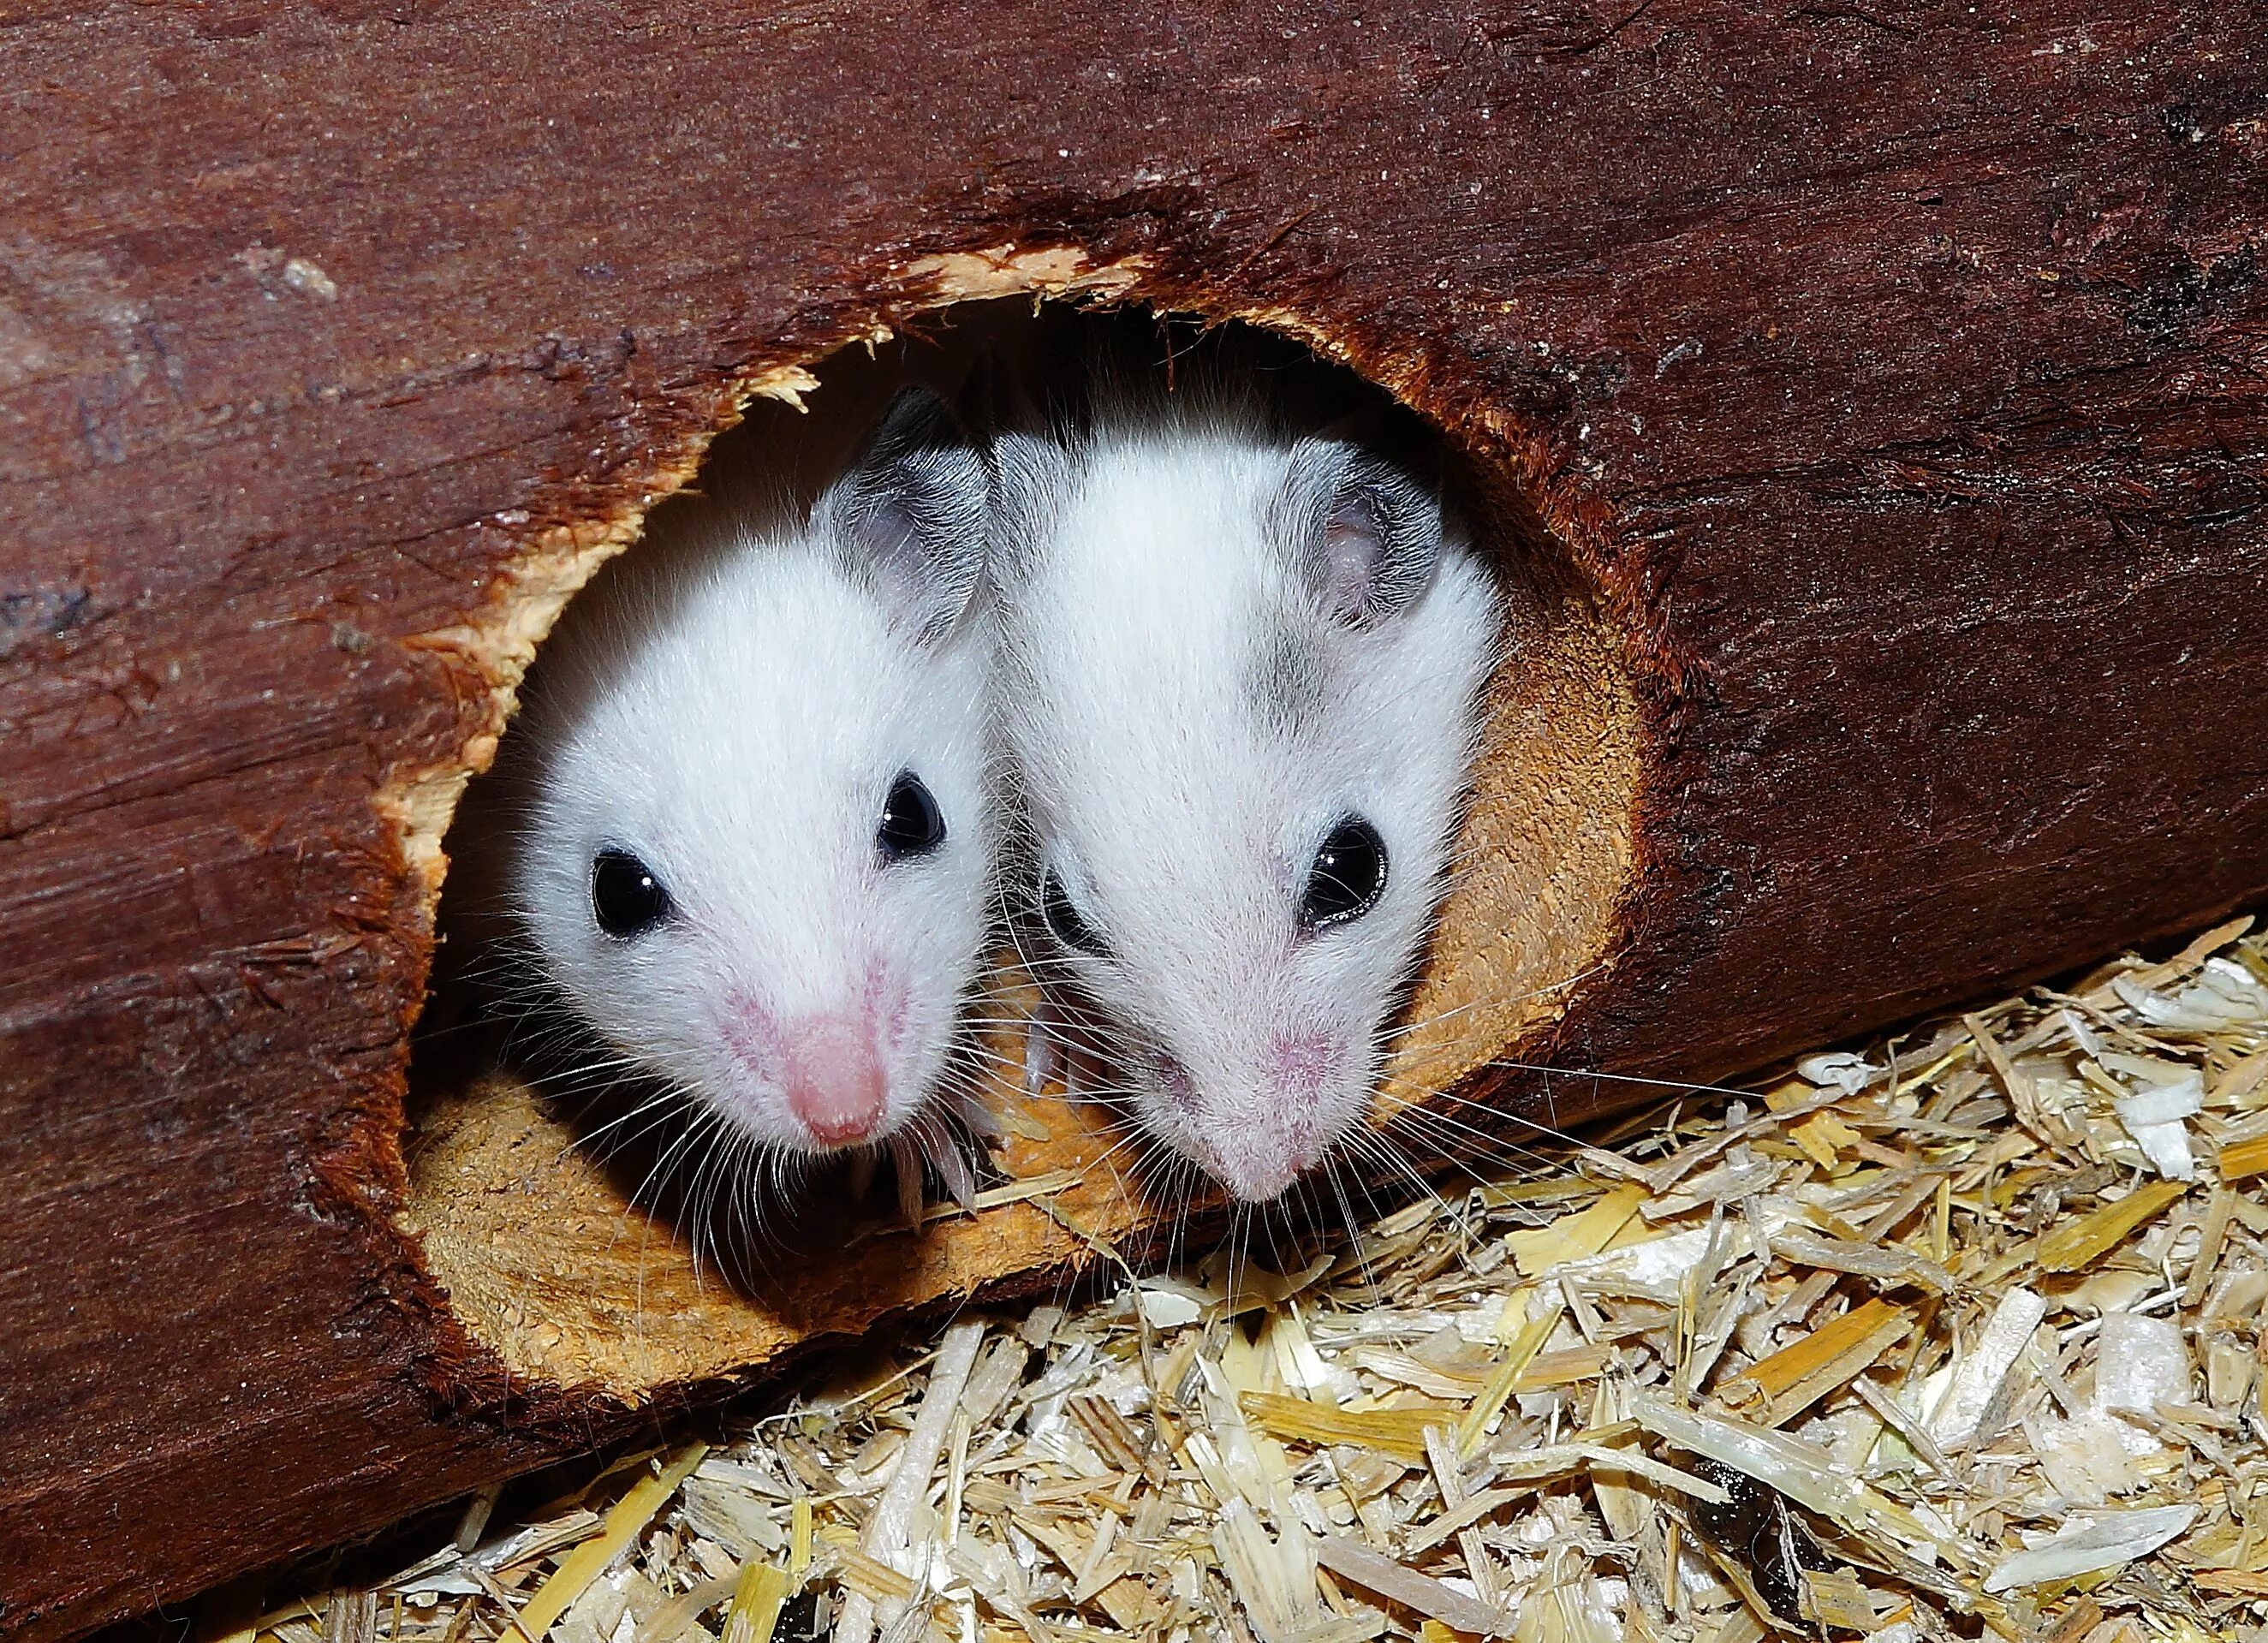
x,y
584,1098
996,1024
1397,1152
1403,1030
583,1073
1682,1086
1111,1096
1335,1162
598,1138
696,1200
1428,1112
1456,1143
1400,1030
640,1198
1454,1211
1367,1182
1104,1160
698,1220
732,1208
1239,1231
733,1219
1311,1201
1377,1145
1496,1109
992,1023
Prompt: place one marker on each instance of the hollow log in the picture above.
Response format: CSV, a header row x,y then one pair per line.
x,y
1873,393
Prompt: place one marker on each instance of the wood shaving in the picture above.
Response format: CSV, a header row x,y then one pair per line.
x,y
1972,1317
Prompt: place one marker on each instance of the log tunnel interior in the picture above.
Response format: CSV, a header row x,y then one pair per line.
x,y
550,1267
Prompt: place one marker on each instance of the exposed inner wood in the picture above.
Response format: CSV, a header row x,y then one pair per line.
x,y
1905,407
550,1264
496,650
1543,861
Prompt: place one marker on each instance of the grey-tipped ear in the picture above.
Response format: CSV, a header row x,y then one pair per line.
x,y
1363,533
911,514
1030,473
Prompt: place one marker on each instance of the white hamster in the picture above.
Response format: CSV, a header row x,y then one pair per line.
x,y
1242,671
752,830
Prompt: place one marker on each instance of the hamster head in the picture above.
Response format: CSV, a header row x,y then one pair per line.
x,y
1243,680
757,857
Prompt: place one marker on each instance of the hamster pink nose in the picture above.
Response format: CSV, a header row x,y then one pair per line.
x,y
833,1079
1257,1154
1258,1179
1259,1158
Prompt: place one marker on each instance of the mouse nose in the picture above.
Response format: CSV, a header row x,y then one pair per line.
x,y
1257,1152
1258,1179
833,1079
1257,1155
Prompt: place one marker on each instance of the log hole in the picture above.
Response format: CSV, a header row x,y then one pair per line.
x,y
550,1266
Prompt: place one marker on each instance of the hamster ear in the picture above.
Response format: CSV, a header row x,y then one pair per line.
x,y
912,513
1029,473
1364,533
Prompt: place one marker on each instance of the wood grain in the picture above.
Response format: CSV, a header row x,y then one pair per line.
x,y
1885,382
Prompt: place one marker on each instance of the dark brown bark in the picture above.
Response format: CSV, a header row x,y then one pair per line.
x,y
1894,375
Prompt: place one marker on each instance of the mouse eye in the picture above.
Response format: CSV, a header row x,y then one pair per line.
x,y
1348,877
1065,923
625,895
912,825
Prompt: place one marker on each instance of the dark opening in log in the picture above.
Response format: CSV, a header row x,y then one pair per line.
x,y
578,1292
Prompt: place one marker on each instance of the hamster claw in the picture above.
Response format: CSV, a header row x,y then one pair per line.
x,y
980,1120
1039,1055
906,1154
953,1169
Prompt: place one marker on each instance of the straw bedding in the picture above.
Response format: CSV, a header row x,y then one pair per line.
x,y
1955,1336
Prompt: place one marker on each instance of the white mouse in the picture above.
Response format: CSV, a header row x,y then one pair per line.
x,y
749,829
1241,667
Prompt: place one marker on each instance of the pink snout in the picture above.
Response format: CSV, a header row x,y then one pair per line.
x,y
1255,1174
1258,1153
833,1079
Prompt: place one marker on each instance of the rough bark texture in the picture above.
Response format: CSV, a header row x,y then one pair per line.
x,y
1894,374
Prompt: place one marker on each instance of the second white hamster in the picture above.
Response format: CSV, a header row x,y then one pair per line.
x,y
752,830
1242,663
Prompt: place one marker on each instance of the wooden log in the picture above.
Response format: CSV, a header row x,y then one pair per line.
x,y
1874,393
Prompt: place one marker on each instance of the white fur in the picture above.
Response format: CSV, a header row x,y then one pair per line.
x,y
1183,813
732,709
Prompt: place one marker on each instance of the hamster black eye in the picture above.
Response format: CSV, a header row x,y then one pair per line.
x,y
1348,877
627,898
912,825
1065,923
